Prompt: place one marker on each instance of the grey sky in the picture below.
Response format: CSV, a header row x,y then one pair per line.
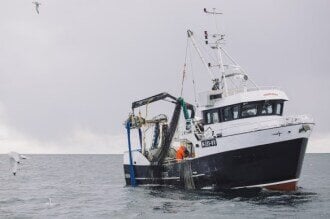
x,y
79,64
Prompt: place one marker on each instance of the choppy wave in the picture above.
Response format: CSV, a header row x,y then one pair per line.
x,y
85,186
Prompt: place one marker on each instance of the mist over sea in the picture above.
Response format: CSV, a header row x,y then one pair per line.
x,y
92,186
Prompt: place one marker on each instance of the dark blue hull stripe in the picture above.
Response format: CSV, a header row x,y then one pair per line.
x,y
263,164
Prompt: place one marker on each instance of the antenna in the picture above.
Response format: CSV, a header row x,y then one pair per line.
x,y
211,12
214,80
219,38
216,41
206,37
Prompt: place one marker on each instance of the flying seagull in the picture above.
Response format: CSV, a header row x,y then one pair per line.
x,y
15,159
37,4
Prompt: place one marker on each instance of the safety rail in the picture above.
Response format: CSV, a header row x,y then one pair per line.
x,y
242,89
254,126
271,123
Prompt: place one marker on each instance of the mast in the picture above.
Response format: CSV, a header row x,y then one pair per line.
x,y
222,69
226,71
191,37
219,38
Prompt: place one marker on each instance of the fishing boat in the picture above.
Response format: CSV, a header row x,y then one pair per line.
x,y
235,135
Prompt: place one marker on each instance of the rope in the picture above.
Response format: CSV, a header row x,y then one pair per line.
x,y
205,49
145,129
188,59
184,67
193,76
142,136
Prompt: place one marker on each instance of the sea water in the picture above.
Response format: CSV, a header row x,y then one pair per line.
x,y
92,186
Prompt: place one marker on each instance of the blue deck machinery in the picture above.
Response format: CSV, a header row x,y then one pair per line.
x,y
136,122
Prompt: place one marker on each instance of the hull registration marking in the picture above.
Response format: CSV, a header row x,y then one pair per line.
x,y
209,143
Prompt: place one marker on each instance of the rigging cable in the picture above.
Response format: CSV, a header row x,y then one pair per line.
x,y
193,76
201,42
144,131
184,68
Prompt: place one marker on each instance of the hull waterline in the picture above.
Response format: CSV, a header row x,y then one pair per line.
x,y
274,166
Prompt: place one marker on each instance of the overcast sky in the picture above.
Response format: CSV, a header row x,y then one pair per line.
x,y
69,74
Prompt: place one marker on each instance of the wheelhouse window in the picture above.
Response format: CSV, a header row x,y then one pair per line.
x,y
267,108
208,118
212,116
279,108
215,117
244,110
227,114
230,112
249,110
235,111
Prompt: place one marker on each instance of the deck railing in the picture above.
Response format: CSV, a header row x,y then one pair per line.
x,y
242,89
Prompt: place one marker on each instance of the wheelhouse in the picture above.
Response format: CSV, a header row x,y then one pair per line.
x,y
243,110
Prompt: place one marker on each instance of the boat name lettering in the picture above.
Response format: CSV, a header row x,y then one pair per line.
x,y
209,143
270,94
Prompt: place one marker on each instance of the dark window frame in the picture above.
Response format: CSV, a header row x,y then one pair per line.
x,y
259,104
222,112
262,104
282,106
231,111
205,112
255,103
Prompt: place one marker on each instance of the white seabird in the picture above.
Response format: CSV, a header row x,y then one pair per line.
x,y
15,159
37,4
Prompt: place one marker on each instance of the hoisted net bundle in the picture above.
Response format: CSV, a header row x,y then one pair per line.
x,y
153,133
139,121
154,138
169,127
161,118
135,121
186,175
